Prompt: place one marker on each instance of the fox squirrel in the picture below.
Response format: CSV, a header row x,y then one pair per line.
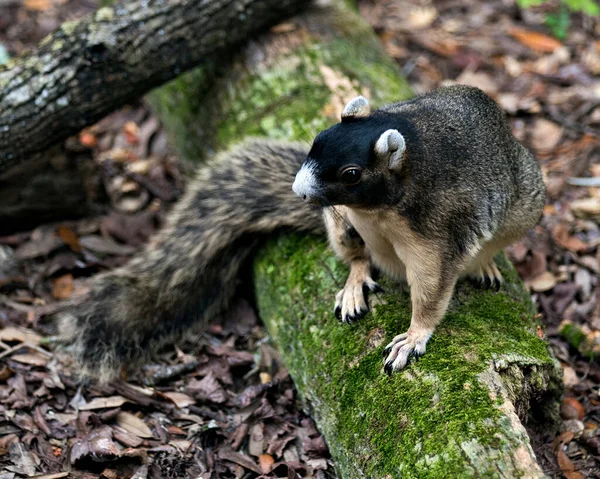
x,y
426,190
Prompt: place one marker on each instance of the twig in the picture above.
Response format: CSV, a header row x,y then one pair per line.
x,y
592,182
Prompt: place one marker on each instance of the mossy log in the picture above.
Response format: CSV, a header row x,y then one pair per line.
x,y
458,411
90,67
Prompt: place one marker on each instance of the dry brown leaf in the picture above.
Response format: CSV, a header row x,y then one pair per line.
x,y
265,462
570,377
480,80
562,237
33,359
134,425
180,400
567,467
37,5
69,238
421,17
131,131
102,403
571,408
57,475
546,134
19,334
543,282
88,139
284,27
534,40
62,287
586,208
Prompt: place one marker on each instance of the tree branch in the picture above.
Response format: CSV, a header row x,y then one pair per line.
x,y
91,66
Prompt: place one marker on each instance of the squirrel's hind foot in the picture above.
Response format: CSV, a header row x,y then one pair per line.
x,y
403,347
487,276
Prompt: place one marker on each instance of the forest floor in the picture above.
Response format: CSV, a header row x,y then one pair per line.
x,y
222,405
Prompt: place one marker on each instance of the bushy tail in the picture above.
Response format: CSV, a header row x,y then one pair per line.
x,y
187,275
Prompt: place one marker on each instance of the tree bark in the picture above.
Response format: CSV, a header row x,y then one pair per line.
x,y
55,187
90,67
460,410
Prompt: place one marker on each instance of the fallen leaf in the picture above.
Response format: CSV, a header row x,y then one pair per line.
x,y
285,27
98,447
40,247
545,134
588,208
33,359
37,5
480,80
208,389
238,458
22,335
25,461
544,282
88,139
571,408
62,287
99,244
180,400
570,377
102,403
562,237
534,40
126,438
57,475
69,237
265,462
421,17
134,425
131,131
567,467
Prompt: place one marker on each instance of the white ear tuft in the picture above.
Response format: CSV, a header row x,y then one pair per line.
x,y
357,108
391,146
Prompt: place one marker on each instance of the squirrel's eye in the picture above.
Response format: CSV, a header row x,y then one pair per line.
x,y
351,175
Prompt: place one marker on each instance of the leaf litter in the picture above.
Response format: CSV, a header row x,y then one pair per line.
x,y
222,405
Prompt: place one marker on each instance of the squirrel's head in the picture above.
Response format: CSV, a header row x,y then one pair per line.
x,y
353,162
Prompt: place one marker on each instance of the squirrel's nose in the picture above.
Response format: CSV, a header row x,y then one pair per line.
x,y
304,197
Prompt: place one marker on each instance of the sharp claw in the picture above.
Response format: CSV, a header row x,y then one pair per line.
x,y
348,319
377,289
387,351
388,368
338,312
497,284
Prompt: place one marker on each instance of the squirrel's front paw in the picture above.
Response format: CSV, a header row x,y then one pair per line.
x,y
403,346
352,302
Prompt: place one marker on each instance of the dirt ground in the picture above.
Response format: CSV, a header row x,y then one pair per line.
x,y
222,405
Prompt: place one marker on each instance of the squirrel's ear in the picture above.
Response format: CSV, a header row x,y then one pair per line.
x,y
357,108
391,146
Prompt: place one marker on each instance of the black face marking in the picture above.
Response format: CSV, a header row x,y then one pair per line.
x,y
345,166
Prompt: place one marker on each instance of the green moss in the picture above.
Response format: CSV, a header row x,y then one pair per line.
x,y
439,405
578,338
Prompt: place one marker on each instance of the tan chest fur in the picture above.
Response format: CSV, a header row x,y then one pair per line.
x,y
387,238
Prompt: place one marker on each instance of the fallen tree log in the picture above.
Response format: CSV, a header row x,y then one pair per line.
x,y
92,66
460,410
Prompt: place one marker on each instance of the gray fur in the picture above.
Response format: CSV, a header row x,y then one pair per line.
x,y
463,188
